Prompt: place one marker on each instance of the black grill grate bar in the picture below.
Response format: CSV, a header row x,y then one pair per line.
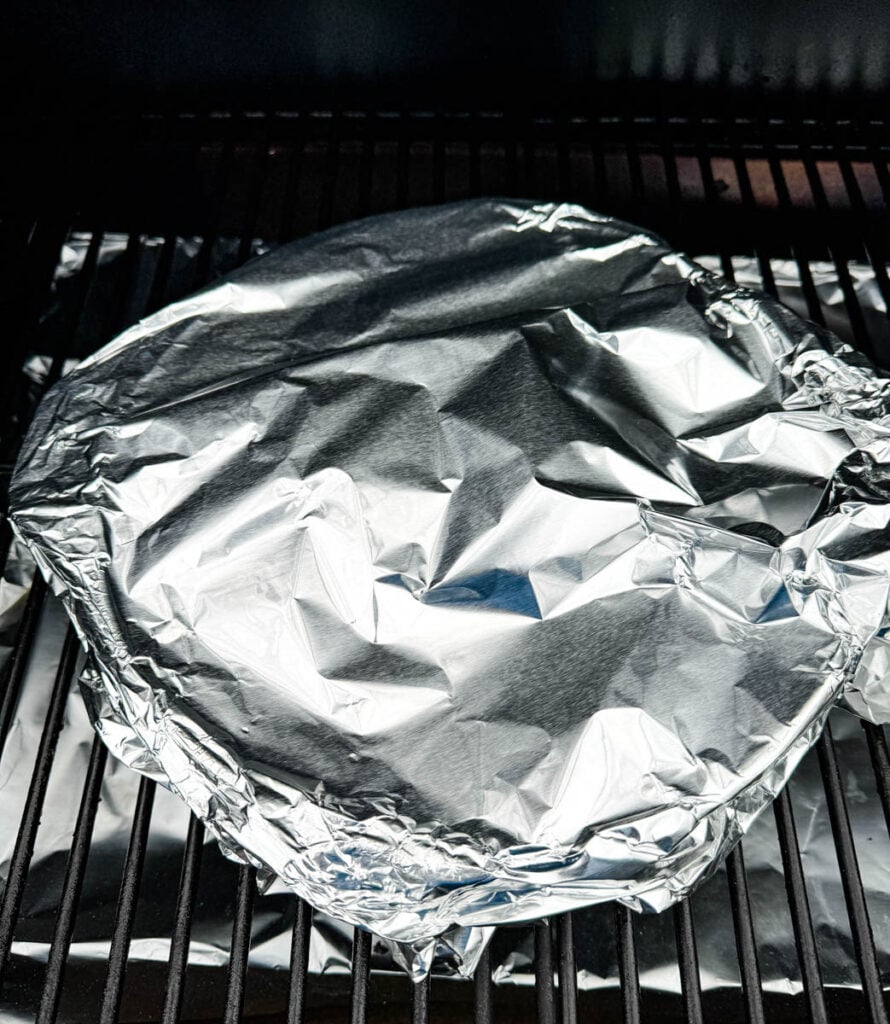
x,y
361,966
635,168
331,172
84,282
797,899
798,904
161,275
811,297
687,959
259,168
246,884
366,170
288,228
746,945
525,162
245,893
18,661
544,991
76,304
135,858
40,259
767,277
786,206
712,202
30,821
565,175
182,922
878,159
49,245
598,156
218,190
854,310
851,301
482,1000
439,165
749,205
420,1001
729,270
863,940
879,166
403,162
131,262
511,166
628,972
669,160
874,246
126,906
880,762
74,872
814,307
567,973
240,948
299,962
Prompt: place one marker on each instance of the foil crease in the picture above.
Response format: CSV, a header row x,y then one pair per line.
x,y
469,564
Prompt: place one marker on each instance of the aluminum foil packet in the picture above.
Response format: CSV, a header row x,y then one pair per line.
x,y
469,564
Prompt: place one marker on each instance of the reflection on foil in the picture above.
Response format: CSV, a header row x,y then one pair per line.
x,y
331,942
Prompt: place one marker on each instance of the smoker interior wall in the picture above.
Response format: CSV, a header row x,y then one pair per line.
x,y
579,54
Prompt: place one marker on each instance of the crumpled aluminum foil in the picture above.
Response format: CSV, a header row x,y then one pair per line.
x,y
471,506
512,947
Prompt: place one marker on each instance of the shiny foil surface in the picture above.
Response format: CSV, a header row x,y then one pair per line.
x,y
469,564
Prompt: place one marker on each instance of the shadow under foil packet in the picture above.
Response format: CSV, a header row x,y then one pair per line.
x,y
470,564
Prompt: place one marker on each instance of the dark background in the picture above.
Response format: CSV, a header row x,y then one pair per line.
x,y
86,58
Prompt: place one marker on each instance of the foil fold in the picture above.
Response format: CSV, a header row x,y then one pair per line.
x,y
469,564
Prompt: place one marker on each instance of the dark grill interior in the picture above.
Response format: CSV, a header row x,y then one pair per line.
x,y
800,190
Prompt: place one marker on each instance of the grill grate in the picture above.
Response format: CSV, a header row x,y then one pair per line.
x,y
802,191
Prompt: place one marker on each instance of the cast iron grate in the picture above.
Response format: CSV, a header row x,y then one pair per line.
x,y
803,191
